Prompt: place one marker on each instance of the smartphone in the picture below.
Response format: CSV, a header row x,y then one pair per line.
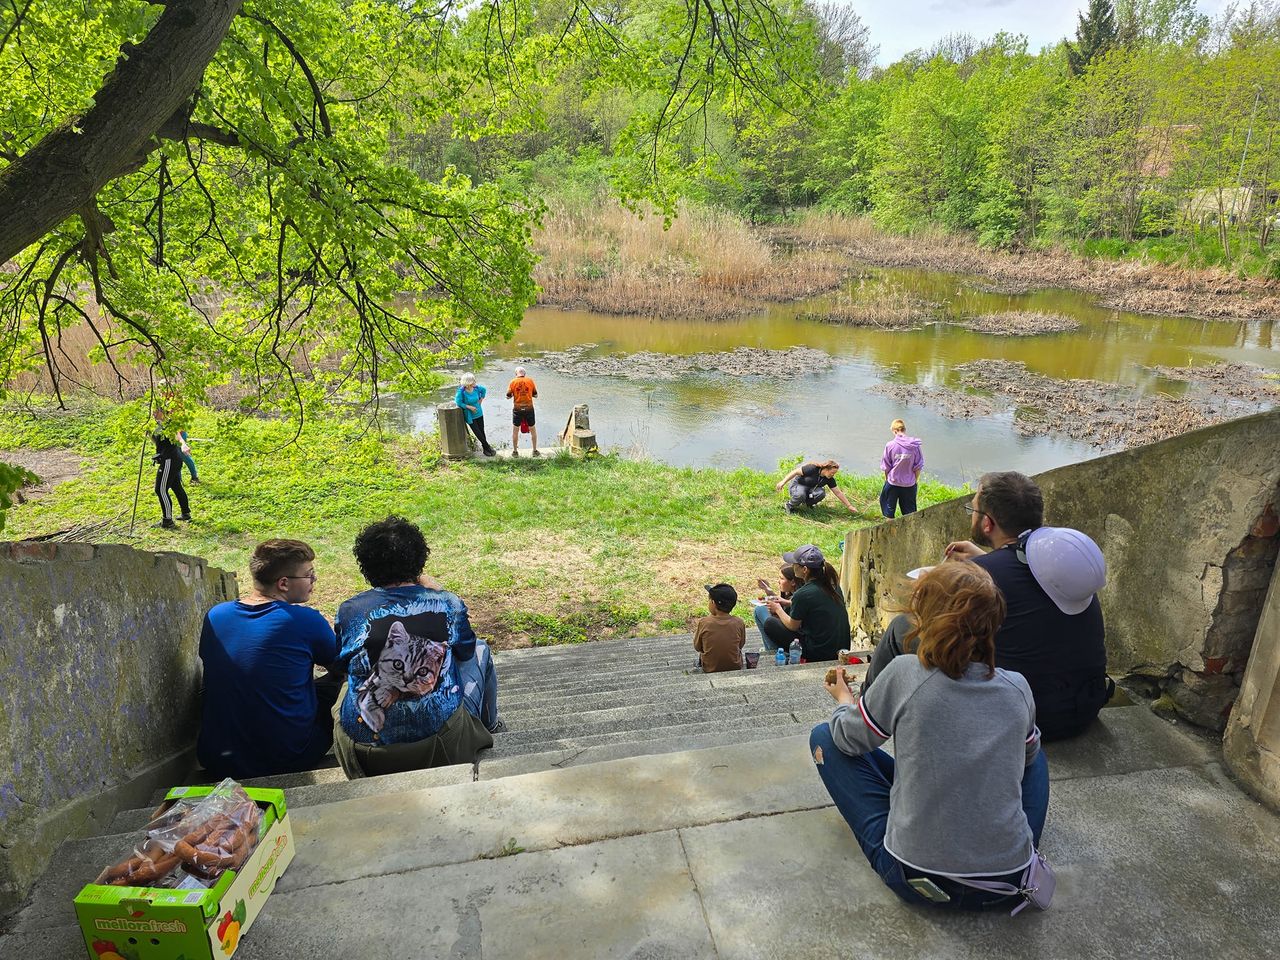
x,y
928,889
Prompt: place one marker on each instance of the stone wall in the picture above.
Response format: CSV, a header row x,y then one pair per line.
x,y
1252,743
99,684
1190,531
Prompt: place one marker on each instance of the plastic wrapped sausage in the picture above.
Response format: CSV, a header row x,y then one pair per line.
x,y
202,836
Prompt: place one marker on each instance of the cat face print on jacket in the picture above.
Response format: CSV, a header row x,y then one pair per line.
x,y
407,666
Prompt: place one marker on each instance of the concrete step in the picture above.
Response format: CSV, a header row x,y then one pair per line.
x,y
332,785
680,677
777,723
494,764
594,648
681,855
618,719
698,688
635,719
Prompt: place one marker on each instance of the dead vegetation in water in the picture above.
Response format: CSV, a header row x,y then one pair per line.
x,y
789,364
949,402
1018,323
1244,385
1130,285
888,306
707,264
1108,415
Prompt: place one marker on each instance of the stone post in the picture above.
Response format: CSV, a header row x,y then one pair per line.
x,y
1252,742
451,425
577,434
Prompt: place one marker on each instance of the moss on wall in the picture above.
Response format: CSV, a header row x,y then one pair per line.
x,y
99,677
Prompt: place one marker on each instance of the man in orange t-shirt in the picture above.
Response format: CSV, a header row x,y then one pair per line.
x,y
522,390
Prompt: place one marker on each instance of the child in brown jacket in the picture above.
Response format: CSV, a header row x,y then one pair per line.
x,y
720,637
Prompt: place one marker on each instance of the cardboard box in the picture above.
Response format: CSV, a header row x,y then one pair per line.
x,y
151,923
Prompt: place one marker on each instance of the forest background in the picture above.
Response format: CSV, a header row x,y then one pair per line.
x,y
1155,132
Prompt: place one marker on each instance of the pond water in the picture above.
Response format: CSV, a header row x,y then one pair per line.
x,y
731,421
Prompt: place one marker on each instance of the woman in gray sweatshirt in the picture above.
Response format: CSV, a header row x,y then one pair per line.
x,y
968,793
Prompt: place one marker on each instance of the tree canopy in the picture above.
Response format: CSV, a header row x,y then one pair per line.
x,y
218,190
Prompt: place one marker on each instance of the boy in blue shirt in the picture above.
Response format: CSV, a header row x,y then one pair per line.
x,y
263,713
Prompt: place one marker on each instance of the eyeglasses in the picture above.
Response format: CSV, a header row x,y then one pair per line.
x,y
310,576
971,509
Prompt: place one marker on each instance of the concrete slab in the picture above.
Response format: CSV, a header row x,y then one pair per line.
x,y
1125,740
329,789
578,739
1183,884
575,805
55,943
623,898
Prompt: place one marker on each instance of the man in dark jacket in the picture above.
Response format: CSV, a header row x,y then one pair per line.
x,y
1053,632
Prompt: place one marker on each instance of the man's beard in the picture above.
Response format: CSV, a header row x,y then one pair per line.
x,y
976,533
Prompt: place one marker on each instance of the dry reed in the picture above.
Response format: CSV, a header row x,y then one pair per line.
x,y
886,305
707,263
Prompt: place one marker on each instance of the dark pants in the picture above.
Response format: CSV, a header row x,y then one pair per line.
x,y
169,477
804,496
860,787
773,634
318,744
893,496
477,427
458,741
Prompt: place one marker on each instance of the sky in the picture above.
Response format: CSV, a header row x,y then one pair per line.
x,y
902,25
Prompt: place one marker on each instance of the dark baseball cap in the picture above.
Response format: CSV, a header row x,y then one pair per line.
x,y
806,556
722,595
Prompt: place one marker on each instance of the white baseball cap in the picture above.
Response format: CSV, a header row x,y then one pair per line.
x,y
1068,566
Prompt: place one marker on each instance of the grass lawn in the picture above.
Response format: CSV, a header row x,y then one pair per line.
x,y
542,551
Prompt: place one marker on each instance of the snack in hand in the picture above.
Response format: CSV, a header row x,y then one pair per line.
x,y
831,675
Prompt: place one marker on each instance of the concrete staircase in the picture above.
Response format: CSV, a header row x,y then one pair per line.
x,y
634,809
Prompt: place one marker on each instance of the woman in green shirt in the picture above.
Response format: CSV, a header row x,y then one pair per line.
x,y
817,609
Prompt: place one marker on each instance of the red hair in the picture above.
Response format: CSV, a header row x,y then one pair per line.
x,y
955,609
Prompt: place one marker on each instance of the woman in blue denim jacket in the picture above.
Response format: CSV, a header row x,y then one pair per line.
x,y
421,689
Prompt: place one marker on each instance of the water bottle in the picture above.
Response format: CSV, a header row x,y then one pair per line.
x,y
781,658
795,652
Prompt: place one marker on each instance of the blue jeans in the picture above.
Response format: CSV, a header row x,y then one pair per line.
x,y
480,685
860,788
772,633
892,497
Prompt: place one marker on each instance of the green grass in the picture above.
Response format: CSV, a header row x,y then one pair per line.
x,y
543,551
1201,250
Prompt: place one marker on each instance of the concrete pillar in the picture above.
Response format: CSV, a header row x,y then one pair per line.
x,y
577,434
451,425
1252,742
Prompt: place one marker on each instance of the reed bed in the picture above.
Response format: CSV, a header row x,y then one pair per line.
x,y
889,306
706,263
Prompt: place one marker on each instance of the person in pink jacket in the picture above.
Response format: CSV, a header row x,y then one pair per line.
x,y
901,464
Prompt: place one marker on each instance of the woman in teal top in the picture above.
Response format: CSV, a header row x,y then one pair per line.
x,y
469,397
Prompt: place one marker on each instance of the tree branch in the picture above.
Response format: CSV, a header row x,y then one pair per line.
x,y
65,170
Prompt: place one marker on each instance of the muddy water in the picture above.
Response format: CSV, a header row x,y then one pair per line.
x,y
727,421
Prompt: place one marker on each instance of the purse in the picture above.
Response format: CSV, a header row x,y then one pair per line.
x,y
1036,886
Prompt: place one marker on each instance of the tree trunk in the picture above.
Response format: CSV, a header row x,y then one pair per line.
x,y
62,173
